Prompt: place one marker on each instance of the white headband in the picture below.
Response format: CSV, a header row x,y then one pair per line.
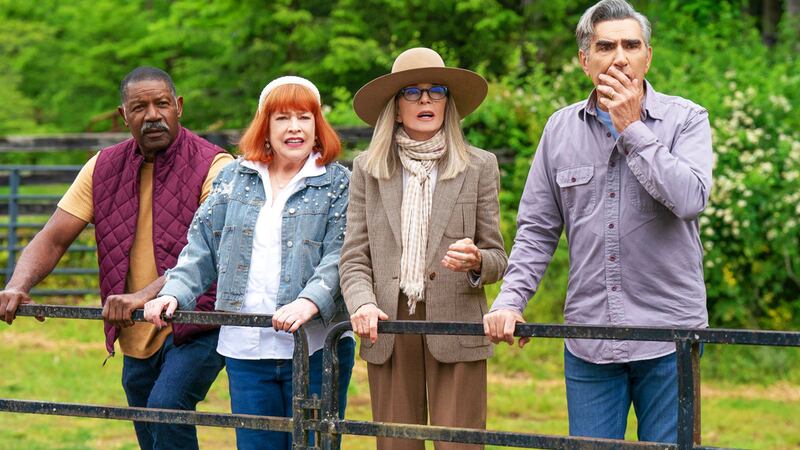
x,y
287,80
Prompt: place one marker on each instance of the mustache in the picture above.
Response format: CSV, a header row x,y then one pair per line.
x,y
155,126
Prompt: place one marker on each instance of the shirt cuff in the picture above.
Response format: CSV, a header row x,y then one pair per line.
x,y
635,137
321,297
359,299
474,279
506,300
180,292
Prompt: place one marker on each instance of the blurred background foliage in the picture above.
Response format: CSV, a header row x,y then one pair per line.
x,y
61,63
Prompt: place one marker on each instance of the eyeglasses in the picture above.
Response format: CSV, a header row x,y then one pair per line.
x,y
413,94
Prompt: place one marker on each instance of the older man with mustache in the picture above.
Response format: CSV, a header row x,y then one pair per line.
x,y
141,195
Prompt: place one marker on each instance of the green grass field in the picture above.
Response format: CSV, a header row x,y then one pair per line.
x,y
61,360
750,395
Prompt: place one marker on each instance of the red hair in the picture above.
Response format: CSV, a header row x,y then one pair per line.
x,y
289,97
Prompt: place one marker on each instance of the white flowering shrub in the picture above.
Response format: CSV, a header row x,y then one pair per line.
x,y
750,229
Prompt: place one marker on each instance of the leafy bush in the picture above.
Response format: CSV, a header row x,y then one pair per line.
x,y
62,61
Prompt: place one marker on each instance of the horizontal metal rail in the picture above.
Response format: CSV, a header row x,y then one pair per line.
x,y
24,225
63,292
502,438
33,168
49,197
320,416
96,141
63,271
195,317
73,248
173,416
700,335
704,335
296,425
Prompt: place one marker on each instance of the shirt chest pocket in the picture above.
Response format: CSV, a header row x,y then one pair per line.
x,y
577,186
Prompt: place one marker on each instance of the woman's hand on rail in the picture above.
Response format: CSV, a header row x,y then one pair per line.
x,y
291,316
153,309
365,321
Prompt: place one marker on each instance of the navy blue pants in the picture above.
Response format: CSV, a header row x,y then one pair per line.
x,y
175,377
264,387
599,397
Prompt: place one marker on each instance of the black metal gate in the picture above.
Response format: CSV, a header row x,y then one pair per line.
x,y
318,417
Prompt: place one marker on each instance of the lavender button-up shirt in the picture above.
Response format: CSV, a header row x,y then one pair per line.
x,y
630,207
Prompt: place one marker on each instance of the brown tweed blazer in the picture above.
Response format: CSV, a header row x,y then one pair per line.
x,y
465,206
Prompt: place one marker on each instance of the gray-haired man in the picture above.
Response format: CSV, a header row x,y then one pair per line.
x,y
627,171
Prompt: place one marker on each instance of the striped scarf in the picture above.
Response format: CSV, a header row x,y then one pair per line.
x,y
418,159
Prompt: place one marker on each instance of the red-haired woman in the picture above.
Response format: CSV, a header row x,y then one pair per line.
x,y
281,205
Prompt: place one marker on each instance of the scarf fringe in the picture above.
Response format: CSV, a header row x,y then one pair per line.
x,y
415,293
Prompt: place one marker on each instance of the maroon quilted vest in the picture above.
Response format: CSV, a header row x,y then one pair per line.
x,y
178,176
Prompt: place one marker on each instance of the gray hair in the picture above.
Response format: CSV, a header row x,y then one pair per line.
x,y
608,10
145,73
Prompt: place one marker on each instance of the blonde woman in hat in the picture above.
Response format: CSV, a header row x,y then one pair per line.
x,y
270,234
422,240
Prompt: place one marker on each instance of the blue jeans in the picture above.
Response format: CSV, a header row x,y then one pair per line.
x,y
175,377
264,387
599,397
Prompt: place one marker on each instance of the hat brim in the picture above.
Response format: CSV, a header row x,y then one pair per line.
x,y
467,88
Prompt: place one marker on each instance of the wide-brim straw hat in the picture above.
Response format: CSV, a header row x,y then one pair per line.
x,y
420,65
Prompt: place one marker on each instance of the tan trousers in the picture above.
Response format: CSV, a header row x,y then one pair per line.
x,y
456,393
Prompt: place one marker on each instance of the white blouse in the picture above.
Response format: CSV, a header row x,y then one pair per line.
x,y
263,278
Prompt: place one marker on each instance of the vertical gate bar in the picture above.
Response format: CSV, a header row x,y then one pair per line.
x,y
330,386
686,394
13,217
696,377
299,390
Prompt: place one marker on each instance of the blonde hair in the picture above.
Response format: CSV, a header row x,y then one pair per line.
x,y
382,160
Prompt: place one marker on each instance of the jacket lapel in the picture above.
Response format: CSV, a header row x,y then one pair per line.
x,y
392,198
444,201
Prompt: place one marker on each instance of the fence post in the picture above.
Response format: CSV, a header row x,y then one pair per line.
x,y
329,411
13,215
300,396
688,359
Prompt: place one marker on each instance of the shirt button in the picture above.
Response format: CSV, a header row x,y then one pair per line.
x,y
291,210
432,276
608,134
574,179
289,244
611,225
614,288
612,195
612,258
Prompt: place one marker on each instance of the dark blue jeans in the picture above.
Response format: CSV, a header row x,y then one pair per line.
x,y
176,377
599,397
264,387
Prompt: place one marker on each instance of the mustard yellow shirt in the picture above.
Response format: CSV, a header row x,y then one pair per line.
x,y
141,340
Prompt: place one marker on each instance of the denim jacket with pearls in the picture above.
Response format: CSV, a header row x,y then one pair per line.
x,y
221,242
